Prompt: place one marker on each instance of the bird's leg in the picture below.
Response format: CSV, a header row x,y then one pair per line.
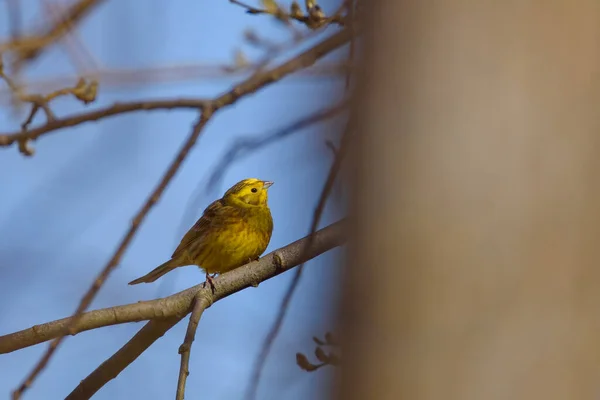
x,y
209,280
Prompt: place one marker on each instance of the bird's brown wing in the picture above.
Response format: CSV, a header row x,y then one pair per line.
x,y
211,219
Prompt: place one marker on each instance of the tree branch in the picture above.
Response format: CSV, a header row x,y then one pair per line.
x,y
141,311
227,284
8,139
201,303
314,17
301,61
180,303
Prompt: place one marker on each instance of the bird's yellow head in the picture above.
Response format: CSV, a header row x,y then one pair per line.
x,y
250,191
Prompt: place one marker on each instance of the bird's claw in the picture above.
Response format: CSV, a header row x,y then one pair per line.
x,y
209,280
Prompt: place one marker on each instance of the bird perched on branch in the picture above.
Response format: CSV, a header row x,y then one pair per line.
x,y
232,231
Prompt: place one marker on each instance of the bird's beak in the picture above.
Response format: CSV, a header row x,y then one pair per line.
x,y
267,184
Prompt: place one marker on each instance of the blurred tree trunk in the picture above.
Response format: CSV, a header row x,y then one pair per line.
x,y
475,269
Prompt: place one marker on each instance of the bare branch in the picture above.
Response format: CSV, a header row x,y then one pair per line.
x,y
303,60
8,139
201,303
314,18
276,327
141,311
231,282
180,303
83,91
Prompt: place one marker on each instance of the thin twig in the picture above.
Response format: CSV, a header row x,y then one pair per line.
x,y
312,20
83,91
231,282
302,60
37,103
273,50
116,258
201,303
8,139
248,86
283,308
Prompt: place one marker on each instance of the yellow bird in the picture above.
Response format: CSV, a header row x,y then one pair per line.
x,y
232,231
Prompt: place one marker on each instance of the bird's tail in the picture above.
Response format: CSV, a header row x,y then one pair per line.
x,y
157,272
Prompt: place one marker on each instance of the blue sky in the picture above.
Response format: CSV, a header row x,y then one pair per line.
x,y
63,211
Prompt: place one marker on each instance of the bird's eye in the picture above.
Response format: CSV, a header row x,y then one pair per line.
x,y
254,190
